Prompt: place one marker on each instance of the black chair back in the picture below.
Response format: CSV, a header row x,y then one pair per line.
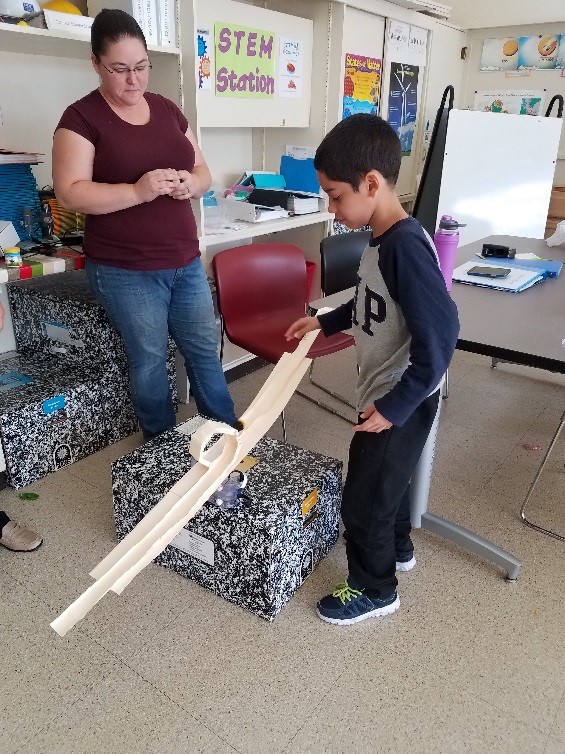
x,y
340,256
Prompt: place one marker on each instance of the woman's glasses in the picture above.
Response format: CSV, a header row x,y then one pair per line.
x,y
120,71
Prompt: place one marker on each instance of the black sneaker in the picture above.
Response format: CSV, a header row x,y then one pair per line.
x,y
346,605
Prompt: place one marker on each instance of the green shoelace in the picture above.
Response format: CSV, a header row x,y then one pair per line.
x,y
344,593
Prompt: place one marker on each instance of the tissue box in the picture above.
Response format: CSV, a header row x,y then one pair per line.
x,y
257,556
50,416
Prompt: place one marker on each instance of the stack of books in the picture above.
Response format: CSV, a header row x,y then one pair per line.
x,y
157,18
303,204
10,157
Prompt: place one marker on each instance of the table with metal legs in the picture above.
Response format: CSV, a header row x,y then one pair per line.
x,y
421,518
420,487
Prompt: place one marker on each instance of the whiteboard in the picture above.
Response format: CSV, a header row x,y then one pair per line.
x,y
498,172
248,112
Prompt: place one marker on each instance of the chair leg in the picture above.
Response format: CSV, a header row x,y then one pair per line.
x,y
536,478
323,406
222,336
283,423
338,397
445,392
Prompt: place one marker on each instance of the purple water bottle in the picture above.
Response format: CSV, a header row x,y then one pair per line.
x,y
446,240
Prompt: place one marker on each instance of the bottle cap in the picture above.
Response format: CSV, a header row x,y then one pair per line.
x,y
448,223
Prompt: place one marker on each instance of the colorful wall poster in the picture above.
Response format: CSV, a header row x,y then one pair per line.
x,y
403,103
514,102
500,54
539,51
361,85
560,63
245,61
291,62
203,64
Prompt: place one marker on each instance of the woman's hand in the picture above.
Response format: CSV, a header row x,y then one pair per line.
x,y
301,327
187,187
375,422
161,182
1,317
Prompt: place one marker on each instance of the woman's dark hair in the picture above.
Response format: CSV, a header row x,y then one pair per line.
x,y
109,27
357,145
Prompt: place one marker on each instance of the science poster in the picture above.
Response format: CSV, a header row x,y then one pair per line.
x,y
361,85
291,63
500,54
513,102
538,52
403,103
203,64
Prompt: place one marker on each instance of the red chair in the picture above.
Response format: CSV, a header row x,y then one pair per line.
x,y
261,290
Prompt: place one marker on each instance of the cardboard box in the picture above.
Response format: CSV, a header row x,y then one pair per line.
x,y
50,416
258,556
557,203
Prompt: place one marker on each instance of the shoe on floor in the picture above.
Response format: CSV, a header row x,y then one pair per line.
x,y
405,561
17,537
346,605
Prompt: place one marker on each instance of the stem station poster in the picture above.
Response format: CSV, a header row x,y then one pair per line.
x,y
361,85
245,61
403,103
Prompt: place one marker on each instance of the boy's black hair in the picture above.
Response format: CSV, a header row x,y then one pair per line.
x,y
357,145
109,27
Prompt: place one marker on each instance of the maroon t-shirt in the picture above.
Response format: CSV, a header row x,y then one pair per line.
x,y
155,235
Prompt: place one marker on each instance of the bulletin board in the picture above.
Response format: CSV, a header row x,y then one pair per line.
x,y
498,173
260,66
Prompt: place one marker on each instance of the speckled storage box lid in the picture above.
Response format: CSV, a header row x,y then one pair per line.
x,y
256,556
60,315
51,414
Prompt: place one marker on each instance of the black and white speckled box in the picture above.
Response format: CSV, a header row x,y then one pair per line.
x,y
59,315
257,556
50,416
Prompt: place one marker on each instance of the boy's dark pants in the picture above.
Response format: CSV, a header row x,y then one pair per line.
x,y
376,498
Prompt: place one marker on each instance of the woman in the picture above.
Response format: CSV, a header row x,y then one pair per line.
x,y
129,160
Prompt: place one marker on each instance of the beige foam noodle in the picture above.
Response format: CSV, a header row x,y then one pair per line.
x,y
159,527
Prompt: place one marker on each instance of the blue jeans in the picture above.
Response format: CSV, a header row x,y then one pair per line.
x,y
145,307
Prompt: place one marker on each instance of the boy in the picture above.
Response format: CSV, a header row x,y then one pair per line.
x,y
405,327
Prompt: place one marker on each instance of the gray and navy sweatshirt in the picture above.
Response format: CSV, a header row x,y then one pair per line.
x,y
404,322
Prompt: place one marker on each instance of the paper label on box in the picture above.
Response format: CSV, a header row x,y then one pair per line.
x,y
10,380
60,333
72,22
306,565
309,503
54,404
195,545
247,463
189,427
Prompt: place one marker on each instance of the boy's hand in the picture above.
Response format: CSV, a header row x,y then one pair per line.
x,y
301,327
375,422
